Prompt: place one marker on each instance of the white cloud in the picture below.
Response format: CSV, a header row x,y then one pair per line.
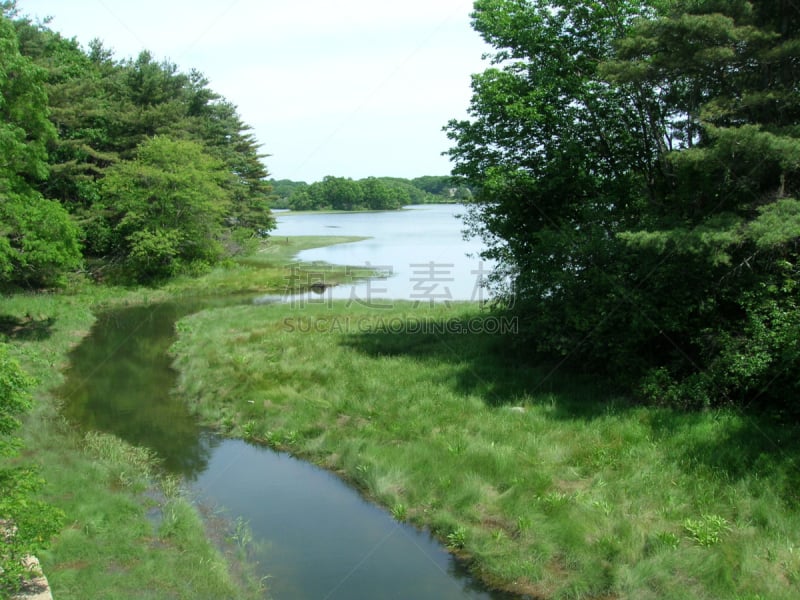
x,y
346,87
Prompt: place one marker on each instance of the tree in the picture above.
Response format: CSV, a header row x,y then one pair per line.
x,y
26,525
165,208
552,151
636,165
103,109
39,242
729,217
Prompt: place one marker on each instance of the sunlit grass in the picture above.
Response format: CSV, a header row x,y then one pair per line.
x,y
273,268
547,483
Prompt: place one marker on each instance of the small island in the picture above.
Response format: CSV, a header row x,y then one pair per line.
x,y
371,193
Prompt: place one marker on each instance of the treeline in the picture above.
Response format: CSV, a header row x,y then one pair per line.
x,y
127,167
372,193
639,172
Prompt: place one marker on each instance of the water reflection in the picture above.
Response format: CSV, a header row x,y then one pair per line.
x,y
320,539
119,381
422,247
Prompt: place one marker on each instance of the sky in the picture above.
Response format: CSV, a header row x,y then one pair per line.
x,y
350,88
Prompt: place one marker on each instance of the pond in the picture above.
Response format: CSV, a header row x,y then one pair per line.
x,y
312,535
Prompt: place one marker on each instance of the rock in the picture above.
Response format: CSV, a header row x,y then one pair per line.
x,y
36,588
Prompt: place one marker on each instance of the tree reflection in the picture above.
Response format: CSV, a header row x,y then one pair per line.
x,y
120,382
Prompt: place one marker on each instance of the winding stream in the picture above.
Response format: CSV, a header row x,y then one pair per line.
x,y
313,535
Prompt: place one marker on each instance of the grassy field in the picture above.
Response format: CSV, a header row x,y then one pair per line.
x,y
547,484
272,269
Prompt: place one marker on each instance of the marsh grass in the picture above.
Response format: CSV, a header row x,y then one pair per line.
x,y
547,483
109,490
272,268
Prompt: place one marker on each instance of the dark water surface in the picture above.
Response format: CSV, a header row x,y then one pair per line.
x,y
313,536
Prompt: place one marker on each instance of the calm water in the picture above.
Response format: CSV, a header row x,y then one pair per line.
x,y
422,247
314,536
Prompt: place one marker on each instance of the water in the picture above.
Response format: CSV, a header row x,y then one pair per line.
x,y
422,247
320,539
313,535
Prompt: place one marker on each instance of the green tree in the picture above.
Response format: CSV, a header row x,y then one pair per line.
x,y
165,208
216,122
636,165
726,224
39,242
26,524
104,108
378,195
342,193
283,189
552,152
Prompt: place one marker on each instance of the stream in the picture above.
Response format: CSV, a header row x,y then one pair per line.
x,y
313,536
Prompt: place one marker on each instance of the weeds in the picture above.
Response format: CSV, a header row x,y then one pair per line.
x,y
399,512
104,485
457,538
707,530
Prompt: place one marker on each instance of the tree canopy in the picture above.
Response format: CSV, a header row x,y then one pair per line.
x,y
71,117
39,240
637,165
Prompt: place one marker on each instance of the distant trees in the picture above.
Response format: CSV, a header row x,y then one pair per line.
x,y
638,174
85,116
372,193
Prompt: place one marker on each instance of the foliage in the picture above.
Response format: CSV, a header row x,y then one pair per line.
x,y
84,113
339,193
112,547
165,208
26,524
631,160
39,242
371,193
542,480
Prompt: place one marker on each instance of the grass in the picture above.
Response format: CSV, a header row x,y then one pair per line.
x,y
272,268
112,493
546,483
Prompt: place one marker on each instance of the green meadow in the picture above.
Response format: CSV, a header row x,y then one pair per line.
x,y
130,532
545,483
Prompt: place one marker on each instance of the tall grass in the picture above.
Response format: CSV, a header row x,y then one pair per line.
x,y
547,483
